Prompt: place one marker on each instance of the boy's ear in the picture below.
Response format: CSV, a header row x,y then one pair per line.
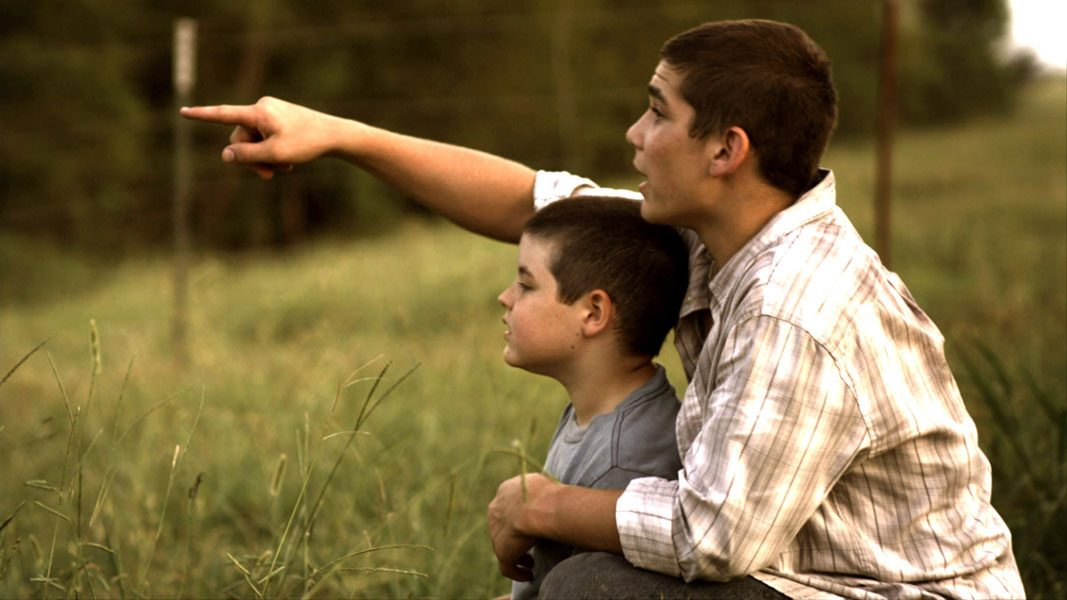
x,y
599,310
727,151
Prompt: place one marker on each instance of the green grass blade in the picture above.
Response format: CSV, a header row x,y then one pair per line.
x,y
363,416
62,388
386,394
11,517
385,570
118,402
22,360
51,555
370,394
246,573
175,465
94,357
341,559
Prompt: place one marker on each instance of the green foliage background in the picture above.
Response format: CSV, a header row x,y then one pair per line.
x,y
88,112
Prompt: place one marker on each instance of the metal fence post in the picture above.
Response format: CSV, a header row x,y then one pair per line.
x,y
887,92
184,79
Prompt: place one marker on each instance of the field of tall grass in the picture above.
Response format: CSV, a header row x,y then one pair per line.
x,y
345,416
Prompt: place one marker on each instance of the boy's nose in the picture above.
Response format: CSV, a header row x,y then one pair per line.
x,y
502,298
631,133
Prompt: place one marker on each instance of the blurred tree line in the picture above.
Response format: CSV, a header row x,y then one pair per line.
x,y
87,106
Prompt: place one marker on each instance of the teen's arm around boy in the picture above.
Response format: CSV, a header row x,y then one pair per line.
x,y
577,516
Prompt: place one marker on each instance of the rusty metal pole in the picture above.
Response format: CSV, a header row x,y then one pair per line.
x,y
887,106
184,78
566,103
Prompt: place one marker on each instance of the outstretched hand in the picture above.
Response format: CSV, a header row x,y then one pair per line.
x,y
270,135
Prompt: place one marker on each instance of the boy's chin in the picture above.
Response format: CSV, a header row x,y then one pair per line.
x,y
516,361
511,359
651,214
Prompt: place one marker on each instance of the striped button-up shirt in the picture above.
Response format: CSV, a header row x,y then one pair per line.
x,y
825,447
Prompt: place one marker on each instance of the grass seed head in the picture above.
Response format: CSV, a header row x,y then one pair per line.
x,y
94,346
279,475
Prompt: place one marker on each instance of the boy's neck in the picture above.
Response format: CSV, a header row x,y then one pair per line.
x,y
744,204
598,390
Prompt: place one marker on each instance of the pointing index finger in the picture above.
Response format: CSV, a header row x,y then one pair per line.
x,y
224,113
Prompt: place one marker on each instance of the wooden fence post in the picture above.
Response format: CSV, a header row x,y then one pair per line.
x,y
887,93
184,79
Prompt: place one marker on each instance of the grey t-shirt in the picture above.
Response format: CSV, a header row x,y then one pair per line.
x,y
635,440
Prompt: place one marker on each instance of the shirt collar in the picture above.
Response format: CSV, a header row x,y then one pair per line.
x,y
815,203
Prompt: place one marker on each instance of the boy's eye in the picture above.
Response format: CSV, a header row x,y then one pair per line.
x,y
656,111
522,286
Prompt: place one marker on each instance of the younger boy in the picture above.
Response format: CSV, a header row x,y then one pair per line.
x,y
597,290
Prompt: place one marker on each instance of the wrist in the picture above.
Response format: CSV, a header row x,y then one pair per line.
x,y
345,138
538,518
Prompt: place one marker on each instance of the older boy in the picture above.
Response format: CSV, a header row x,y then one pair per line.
x,y
825,447
596,291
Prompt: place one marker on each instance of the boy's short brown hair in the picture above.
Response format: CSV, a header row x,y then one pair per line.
x,y
603,243
767,78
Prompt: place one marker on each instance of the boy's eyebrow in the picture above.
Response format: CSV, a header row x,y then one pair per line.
x,y
523,271
656,93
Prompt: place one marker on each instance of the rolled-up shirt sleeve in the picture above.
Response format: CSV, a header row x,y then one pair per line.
x,y
644,516
766,437
550,186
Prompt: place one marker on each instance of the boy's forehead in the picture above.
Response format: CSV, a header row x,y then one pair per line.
x,y
534,252
665,83
540,242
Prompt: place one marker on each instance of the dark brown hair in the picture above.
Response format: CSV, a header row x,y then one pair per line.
x,y
767,78
603,243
